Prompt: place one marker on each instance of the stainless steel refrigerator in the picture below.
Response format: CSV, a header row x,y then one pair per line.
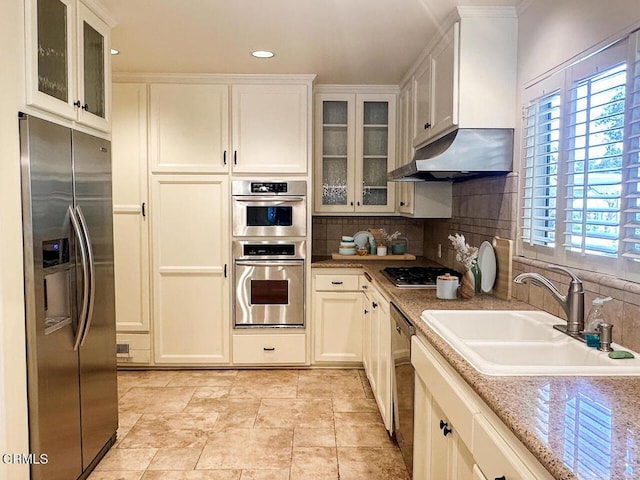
x,y
69,292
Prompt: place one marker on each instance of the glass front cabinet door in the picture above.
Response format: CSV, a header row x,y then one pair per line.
x,y
68,61
355,148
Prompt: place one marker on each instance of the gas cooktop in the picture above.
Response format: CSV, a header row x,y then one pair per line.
x,y
416,277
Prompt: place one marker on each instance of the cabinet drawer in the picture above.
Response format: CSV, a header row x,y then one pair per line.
x,y
493,454
335,283
269,349
133,348
458,405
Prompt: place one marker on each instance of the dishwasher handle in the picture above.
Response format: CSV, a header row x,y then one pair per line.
x,y
403,324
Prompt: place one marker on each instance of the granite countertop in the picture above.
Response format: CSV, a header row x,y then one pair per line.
x,y
583,428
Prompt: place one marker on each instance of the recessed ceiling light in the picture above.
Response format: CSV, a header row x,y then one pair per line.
x,y
114,51
262,54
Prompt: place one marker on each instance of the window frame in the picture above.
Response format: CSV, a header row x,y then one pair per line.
x,y
563,81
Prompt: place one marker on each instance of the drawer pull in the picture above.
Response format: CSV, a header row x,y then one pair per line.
x,y
501,478
269,349
336,283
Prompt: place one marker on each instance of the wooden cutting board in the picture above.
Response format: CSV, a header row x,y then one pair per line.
x,y
503,249
405,256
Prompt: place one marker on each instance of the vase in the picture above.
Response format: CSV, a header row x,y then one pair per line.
x,y
477,278
467,289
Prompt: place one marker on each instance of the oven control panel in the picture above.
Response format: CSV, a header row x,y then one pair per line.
x,y
273,187
266,249
269,187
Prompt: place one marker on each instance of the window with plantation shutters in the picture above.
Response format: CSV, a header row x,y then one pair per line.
x,y
631,227
594,163
581,163
541,140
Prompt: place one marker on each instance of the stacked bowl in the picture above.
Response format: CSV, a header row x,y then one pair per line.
x,y
347,246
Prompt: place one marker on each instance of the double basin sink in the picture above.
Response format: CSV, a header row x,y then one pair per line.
x,y
523,342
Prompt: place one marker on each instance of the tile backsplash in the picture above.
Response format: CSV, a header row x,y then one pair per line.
x,y
327,231
486,207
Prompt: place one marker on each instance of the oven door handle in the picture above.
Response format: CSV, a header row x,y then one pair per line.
x,y
271,200
269,263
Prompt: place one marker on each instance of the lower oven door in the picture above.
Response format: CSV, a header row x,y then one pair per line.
x,y
269,293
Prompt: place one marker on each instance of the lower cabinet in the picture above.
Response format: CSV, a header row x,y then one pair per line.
x,y
444,454
352,324
456,435
269,349
337,318
377,350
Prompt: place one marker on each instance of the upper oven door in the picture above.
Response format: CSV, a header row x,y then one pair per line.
x,y
269,216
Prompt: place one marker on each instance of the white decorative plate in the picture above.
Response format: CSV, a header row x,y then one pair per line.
x,y
361,238
487,264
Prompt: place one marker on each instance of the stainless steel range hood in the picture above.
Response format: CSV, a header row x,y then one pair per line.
x,y
462,154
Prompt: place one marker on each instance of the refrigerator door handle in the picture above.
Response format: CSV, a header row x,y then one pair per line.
x,y
92,273
85,280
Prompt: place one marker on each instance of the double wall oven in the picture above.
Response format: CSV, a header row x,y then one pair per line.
x,y
269,253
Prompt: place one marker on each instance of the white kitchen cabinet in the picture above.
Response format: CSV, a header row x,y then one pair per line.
x,y
477,444
467,78
377,350
68,60
189,128
355,148
443,453
337,318
435,88
269,349
190,229
271,128
197,126
130,207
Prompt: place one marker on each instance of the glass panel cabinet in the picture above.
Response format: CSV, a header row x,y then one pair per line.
x,y
355,148
68,61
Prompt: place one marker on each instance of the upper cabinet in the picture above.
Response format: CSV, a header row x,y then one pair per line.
x,y
467,77
212,125
68,64
189,128
355,148
435,86
270,128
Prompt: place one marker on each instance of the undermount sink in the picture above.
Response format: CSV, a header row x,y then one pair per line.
x,y
522,342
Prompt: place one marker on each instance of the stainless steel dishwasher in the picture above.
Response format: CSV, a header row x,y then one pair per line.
x,y
403,384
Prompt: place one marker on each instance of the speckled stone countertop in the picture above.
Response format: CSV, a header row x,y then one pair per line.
x,y
585,428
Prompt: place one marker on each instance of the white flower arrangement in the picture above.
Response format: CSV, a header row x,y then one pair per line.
x,y
386,238
465,254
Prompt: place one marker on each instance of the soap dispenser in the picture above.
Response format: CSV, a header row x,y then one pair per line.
x,y
595,318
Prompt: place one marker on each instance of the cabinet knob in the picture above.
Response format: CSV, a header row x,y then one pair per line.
x,y
402,204
77,103
427,126
374,305
366,311
444,426
351,203
85,107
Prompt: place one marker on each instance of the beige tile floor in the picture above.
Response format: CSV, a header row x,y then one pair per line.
x,y
249,425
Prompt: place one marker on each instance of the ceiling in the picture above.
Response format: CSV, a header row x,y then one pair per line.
x,y
341,41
